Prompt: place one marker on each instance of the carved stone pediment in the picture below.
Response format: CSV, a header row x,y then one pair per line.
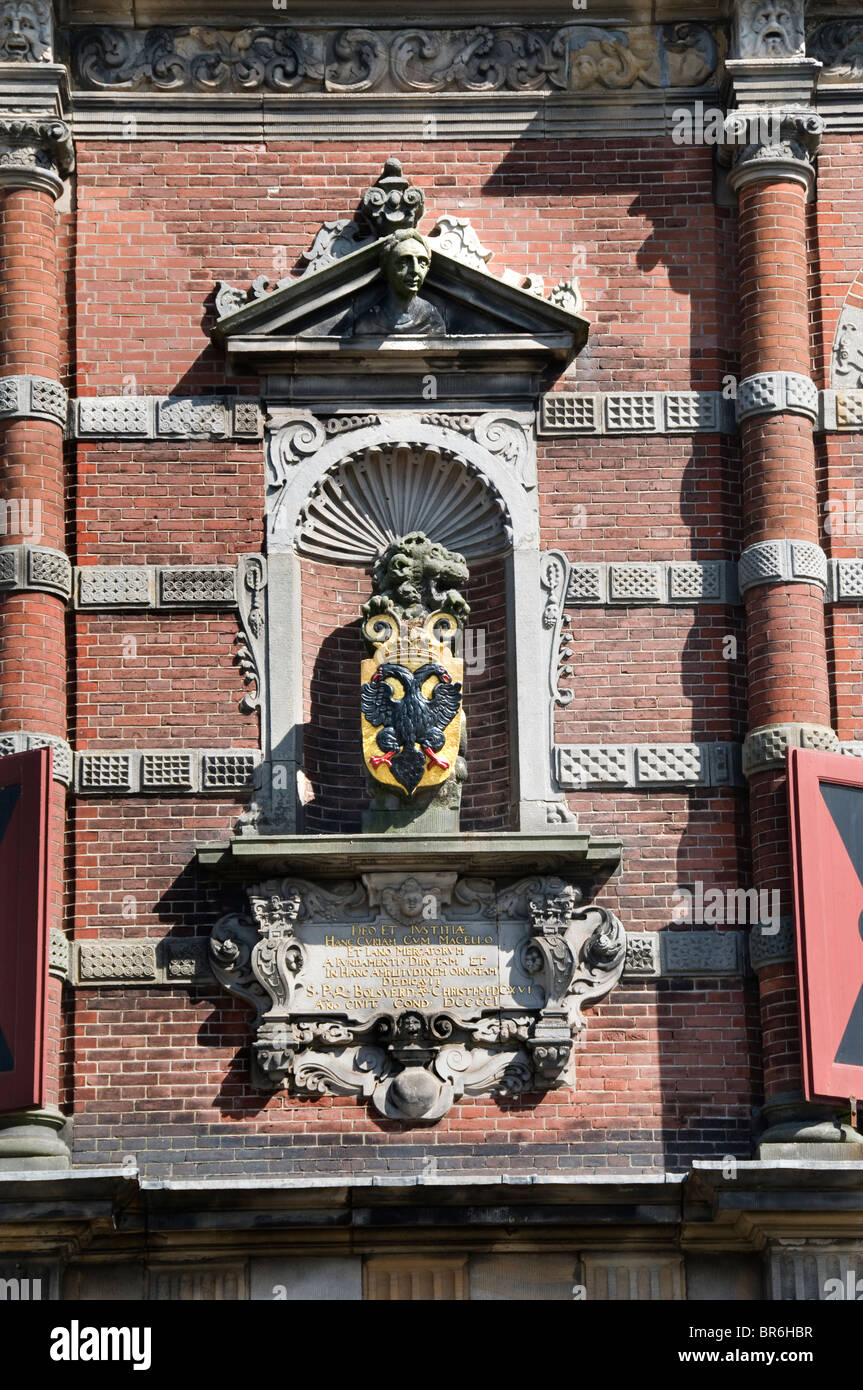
x,y
416,990
317,316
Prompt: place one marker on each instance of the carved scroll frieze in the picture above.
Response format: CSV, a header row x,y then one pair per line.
x,y
413,992
838,44
249,643
482,58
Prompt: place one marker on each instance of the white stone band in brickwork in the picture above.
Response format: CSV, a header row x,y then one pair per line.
x,y
23,741
59,954
36,397
181,770
167,417
643,766
35,567
156,586
765,748
108,961
768,393
782,562
636,412
845,581
652,581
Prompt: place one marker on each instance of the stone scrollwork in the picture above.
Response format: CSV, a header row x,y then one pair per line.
x,y
409,1013
472,59
457,238
249,643
839,46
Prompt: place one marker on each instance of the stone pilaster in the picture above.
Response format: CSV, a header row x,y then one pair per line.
x,y
36,155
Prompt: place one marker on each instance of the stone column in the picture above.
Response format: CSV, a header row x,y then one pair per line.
x,y
783,571
35,155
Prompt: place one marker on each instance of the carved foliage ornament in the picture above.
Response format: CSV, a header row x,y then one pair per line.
x,y
475,990
480,59
26,31
36,142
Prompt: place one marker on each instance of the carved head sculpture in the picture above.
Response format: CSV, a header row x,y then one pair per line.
x,y
410,1027
415,577
771,30
405,261
25,31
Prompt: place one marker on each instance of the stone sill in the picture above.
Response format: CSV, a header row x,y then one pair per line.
x,y
490,854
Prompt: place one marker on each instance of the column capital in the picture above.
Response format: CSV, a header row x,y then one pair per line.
x,y
767,145
35,152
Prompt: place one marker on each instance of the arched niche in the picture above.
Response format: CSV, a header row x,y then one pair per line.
x,y
338,492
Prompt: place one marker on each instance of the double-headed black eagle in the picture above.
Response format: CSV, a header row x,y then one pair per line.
x,y
414,727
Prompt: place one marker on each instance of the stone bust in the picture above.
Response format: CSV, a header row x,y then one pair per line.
x,y
405,260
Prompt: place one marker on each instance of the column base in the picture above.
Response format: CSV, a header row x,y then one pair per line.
x,y
30,1139
797,1128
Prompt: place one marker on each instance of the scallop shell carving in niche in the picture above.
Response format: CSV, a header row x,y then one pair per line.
x,y
358,508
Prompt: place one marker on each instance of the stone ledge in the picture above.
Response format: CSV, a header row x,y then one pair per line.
x,y
505,852
765,748
770,393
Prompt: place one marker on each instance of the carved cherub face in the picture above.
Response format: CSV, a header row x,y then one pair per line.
x,y
405,266
411,898
24,32
532,959
411,1027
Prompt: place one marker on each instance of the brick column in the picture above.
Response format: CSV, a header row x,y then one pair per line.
x,y
35,152
783,571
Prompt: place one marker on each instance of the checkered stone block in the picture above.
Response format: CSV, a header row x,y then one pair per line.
x,y
116,960
854,749
10,743
115,586
228,771
247,419
192,416
691,411
105,772
850,578
695,580
9,566
49,569
197,585
581,765
759,393
188,959
642,954
849,410
724,764
801,394
671,762
635,583
765,748
814,736
566,412
808,561
585,584
63,761
632,412
167,771
761,563
48,398
115,416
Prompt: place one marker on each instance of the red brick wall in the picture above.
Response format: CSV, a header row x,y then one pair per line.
x,y
669,1069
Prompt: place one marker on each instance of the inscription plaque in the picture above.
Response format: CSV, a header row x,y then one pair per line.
x,y
354,992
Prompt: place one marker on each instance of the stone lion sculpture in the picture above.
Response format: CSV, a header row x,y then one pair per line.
x,y
415,577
